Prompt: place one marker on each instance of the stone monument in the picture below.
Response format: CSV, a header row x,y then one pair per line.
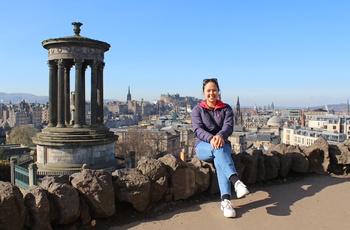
x,y
68,143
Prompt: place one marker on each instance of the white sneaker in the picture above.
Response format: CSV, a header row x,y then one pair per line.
x,y
241,189
227,208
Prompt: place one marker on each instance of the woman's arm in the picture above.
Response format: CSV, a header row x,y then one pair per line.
x,y
199,127
227,127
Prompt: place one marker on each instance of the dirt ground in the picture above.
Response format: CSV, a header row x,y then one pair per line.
x,y
304,202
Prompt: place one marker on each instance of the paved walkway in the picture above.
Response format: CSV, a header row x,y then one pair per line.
x,y
312,202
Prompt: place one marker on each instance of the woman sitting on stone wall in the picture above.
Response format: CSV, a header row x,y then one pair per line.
x,y
212,122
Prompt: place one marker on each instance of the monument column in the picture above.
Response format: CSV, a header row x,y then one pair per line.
x,y
79,96
83,115
67,93
60,96
100,115
52,93
93,99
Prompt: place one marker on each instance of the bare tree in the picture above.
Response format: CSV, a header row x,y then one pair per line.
x,y
137,140
23,135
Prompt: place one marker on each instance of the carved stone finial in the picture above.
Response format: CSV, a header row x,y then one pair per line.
x,y
77,28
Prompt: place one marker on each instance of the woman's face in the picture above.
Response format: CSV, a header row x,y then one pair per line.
x,y
211,93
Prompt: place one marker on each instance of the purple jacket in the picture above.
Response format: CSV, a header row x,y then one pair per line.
x,y
203,126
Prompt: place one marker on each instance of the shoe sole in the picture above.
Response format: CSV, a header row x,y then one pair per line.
x,y
244,194
228,216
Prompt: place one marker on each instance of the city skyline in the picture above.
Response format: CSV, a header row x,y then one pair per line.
x,y
291,53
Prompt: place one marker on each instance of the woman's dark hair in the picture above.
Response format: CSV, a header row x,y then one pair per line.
x,y
214,80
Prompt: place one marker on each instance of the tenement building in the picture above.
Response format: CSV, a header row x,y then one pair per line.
x,y
23,113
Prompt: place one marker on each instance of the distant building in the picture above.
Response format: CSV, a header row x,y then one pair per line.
x,y
262,140
298,135
15,150
331,123
177,100
122,120
238,142
23,113
316,112
141,108
291,114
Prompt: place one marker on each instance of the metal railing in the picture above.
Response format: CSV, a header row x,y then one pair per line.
x,y
21,175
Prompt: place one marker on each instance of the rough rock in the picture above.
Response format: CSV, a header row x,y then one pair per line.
x,y
272,165
344,154
182,178
339,158
157,173
285,159
240,167
96,187
202,174
213,183
63,198
300,163
250,168
132,186
12,210
318,156
85,217
38,206
250,172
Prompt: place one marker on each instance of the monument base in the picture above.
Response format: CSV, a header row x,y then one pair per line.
x,y
67,150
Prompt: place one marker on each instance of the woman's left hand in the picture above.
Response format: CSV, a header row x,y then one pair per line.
x,y
217,142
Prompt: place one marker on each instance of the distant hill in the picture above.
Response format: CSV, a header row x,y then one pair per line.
x,y
15,98
336,107
18,97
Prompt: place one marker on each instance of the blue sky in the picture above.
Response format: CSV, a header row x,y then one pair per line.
x,y
289,52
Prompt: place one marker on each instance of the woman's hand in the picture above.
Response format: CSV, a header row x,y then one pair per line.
x,y
217,141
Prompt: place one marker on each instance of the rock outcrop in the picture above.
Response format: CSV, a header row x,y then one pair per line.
x,y
96,187
182,178
318,156
38,206
63,199
12,210
132,186
156,172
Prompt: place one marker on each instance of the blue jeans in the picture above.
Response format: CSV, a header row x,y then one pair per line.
x,y
222,161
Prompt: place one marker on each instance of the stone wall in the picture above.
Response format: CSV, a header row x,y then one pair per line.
x,y
75,201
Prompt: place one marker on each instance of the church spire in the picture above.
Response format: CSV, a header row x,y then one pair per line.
x,y
237,114
128,97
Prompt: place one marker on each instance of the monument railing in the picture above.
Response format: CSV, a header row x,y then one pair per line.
x,y
22,174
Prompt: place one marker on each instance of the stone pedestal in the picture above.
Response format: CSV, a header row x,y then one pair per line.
x,y
66,150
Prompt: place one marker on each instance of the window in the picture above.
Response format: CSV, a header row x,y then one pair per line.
x,y
334,127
